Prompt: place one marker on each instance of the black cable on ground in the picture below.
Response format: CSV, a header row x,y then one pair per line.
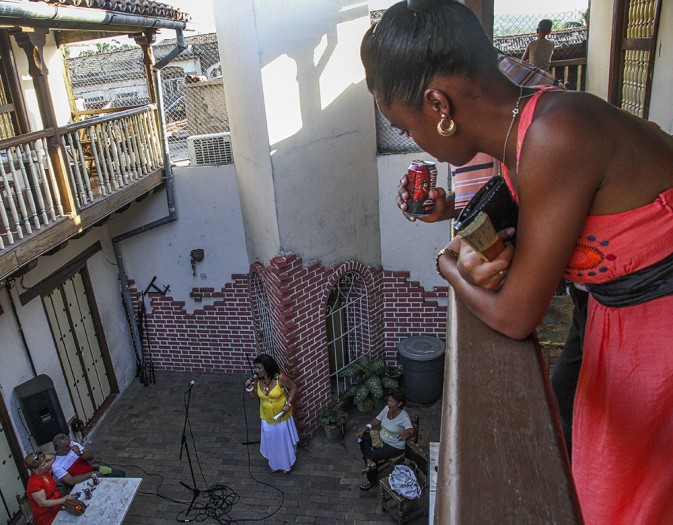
x,y
217,501
247,440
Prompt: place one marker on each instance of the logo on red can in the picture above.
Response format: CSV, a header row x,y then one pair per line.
x,y
421,178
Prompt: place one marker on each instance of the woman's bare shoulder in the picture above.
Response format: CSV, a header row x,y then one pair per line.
x,y
618,157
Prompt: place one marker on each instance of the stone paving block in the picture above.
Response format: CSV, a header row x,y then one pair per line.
x,y
142,431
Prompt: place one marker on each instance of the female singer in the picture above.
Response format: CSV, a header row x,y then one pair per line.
x,y
276,393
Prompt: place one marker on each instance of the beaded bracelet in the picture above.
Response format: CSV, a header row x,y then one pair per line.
x,y
440,254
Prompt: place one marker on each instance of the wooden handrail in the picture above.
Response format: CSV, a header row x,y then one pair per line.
x,y
501,457
86,112
106,118
569,62
26,137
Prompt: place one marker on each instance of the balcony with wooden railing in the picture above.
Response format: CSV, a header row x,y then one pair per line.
x,y
501,453
57,183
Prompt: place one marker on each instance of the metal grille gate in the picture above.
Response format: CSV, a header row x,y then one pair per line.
x,y
78,348
262,313
347,324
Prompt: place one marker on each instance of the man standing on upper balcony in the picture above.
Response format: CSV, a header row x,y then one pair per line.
x,y
539,51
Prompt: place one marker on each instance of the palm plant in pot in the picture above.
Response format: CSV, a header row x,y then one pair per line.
x,y
333,420
370,381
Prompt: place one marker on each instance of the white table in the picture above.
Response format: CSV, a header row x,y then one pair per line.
x,y
109,503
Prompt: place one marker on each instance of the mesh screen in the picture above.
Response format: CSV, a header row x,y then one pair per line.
x,y
110,74
511,35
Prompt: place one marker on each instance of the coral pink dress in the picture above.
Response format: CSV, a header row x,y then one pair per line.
x,y
623,417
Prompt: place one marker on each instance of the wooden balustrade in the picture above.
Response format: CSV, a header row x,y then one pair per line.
x,y
502,458
571,72
30,194
109,152
104,157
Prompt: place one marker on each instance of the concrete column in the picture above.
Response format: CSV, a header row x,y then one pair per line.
x,y
302,126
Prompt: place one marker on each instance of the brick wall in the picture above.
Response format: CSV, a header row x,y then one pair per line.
x,y
410,310
218,336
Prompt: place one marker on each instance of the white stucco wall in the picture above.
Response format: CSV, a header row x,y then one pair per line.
x,y
15,367
209,217
54,62
409,246
661,103
309,92
598,47
39,340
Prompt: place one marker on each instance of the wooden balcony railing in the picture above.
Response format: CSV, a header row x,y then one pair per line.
x,y
108,161
109,152
30,194
501,456
571,72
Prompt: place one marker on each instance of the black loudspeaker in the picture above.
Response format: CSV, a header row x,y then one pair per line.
x,y
41,409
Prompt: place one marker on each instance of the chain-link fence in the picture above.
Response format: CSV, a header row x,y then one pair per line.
x,y
511,35
109,74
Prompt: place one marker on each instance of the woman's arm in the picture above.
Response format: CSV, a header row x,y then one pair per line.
x,y
558,178
71,480
251,388
369,426
40,498
291,388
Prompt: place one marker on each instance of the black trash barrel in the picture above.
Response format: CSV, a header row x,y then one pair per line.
x,y
422,358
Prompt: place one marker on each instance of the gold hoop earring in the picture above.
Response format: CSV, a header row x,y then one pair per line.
x,y
448,131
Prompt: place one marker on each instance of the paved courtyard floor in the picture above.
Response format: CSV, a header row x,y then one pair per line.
x,y
141,433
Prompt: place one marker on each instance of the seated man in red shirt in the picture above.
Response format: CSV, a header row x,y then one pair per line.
x,y
71,464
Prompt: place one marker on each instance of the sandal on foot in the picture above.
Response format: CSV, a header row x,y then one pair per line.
x,y
366,485
368,468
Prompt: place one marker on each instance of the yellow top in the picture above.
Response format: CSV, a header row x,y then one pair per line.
x,y
272,403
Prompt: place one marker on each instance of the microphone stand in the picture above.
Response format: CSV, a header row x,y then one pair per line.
x,y
184,446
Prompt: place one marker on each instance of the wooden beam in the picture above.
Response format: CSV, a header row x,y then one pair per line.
x,y
485,12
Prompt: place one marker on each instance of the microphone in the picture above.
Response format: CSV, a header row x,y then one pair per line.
x,y
191,384
253,378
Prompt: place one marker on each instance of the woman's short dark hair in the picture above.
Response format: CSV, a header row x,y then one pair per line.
x,y
269,364
398,396
407,48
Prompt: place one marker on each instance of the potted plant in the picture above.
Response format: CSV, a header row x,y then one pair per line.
x,y
370,380
333,420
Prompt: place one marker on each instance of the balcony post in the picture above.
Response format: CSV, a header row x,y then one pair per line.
x,y
145,41
484,11
32,43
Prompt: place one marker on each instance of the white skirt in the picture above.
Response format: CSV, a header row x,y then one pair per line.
x,y
279,444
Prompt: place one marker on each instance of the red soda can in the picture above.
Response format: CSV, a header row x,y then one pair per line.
x,y
421,178
94,478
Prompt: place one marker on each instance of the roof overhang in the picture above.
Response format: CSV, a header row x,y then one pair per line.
x,y
38,14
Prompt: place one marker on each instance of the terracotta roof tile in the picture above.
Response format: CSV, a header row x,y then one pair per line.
x,y
132,7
